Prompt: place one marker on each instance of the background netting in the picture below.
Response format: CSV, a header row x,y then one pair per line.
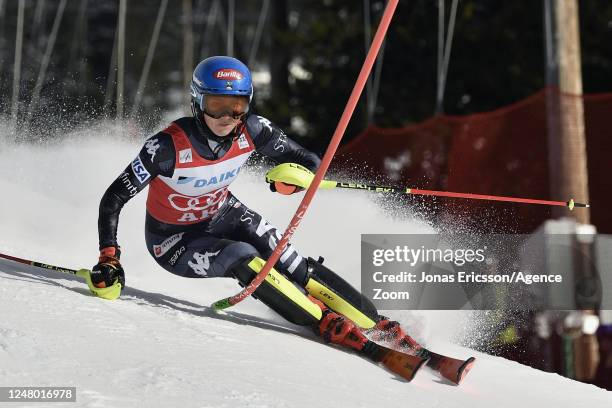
x,y
502,152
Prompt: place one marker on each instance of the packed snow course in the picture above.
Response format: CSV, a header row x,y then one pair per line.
x,y
160,345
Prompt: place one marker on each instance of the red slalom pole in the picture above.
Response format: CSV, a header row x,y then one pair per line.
x,y
327,158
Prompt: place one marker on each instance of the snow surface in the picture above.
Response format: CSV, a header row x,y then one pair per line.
x,y
161,346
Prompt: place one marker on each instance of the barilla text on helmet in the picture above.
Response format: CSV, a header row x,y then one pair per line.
x,y
228,73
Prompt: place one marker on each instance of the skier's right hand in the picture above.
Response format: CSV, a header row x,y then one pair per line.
x,y
284,188
108,269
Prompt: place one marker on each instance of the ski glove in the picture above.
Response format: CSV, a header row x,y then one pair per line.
x,y
284,188
289,178
108,270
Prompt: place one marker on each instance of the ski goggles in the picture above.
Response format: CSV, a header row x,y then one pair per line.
x,y
218,115
218,106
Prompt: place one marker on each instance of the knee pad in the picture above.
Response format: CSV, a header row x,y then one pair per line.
x,y
278,293
325,285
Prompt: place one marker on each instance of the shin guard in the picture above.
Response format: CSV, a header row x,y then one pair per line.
x,y
278,293
339,295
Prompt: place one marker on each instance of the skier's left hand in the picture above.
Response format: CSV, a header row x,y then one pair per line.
x,y
289,178
284,188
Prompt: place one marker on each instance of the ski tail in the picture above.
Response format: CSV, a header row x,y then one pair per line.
x,y
403,364
450,368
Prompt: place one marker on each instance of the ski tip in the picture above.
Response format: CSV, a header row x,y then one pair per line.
x,y
453,369
464,369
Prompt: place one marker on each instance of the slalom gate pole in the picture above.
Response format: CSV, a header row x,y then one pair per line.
x,y
327,158
415,191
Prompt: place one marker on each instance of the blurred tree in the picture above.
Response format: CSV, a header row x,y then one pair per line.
x,y
313,50
497,58
327,50
595,31
279,101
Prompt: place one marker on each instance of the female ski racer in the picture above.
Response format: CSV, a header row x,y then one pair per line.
x,y
196,228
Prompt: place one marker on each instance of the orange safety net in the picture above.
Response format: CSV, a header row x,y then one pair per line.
x,y
503,152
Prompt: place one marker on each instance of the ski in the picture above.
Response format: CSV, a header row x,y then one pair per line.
x,y
453,369
403,364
